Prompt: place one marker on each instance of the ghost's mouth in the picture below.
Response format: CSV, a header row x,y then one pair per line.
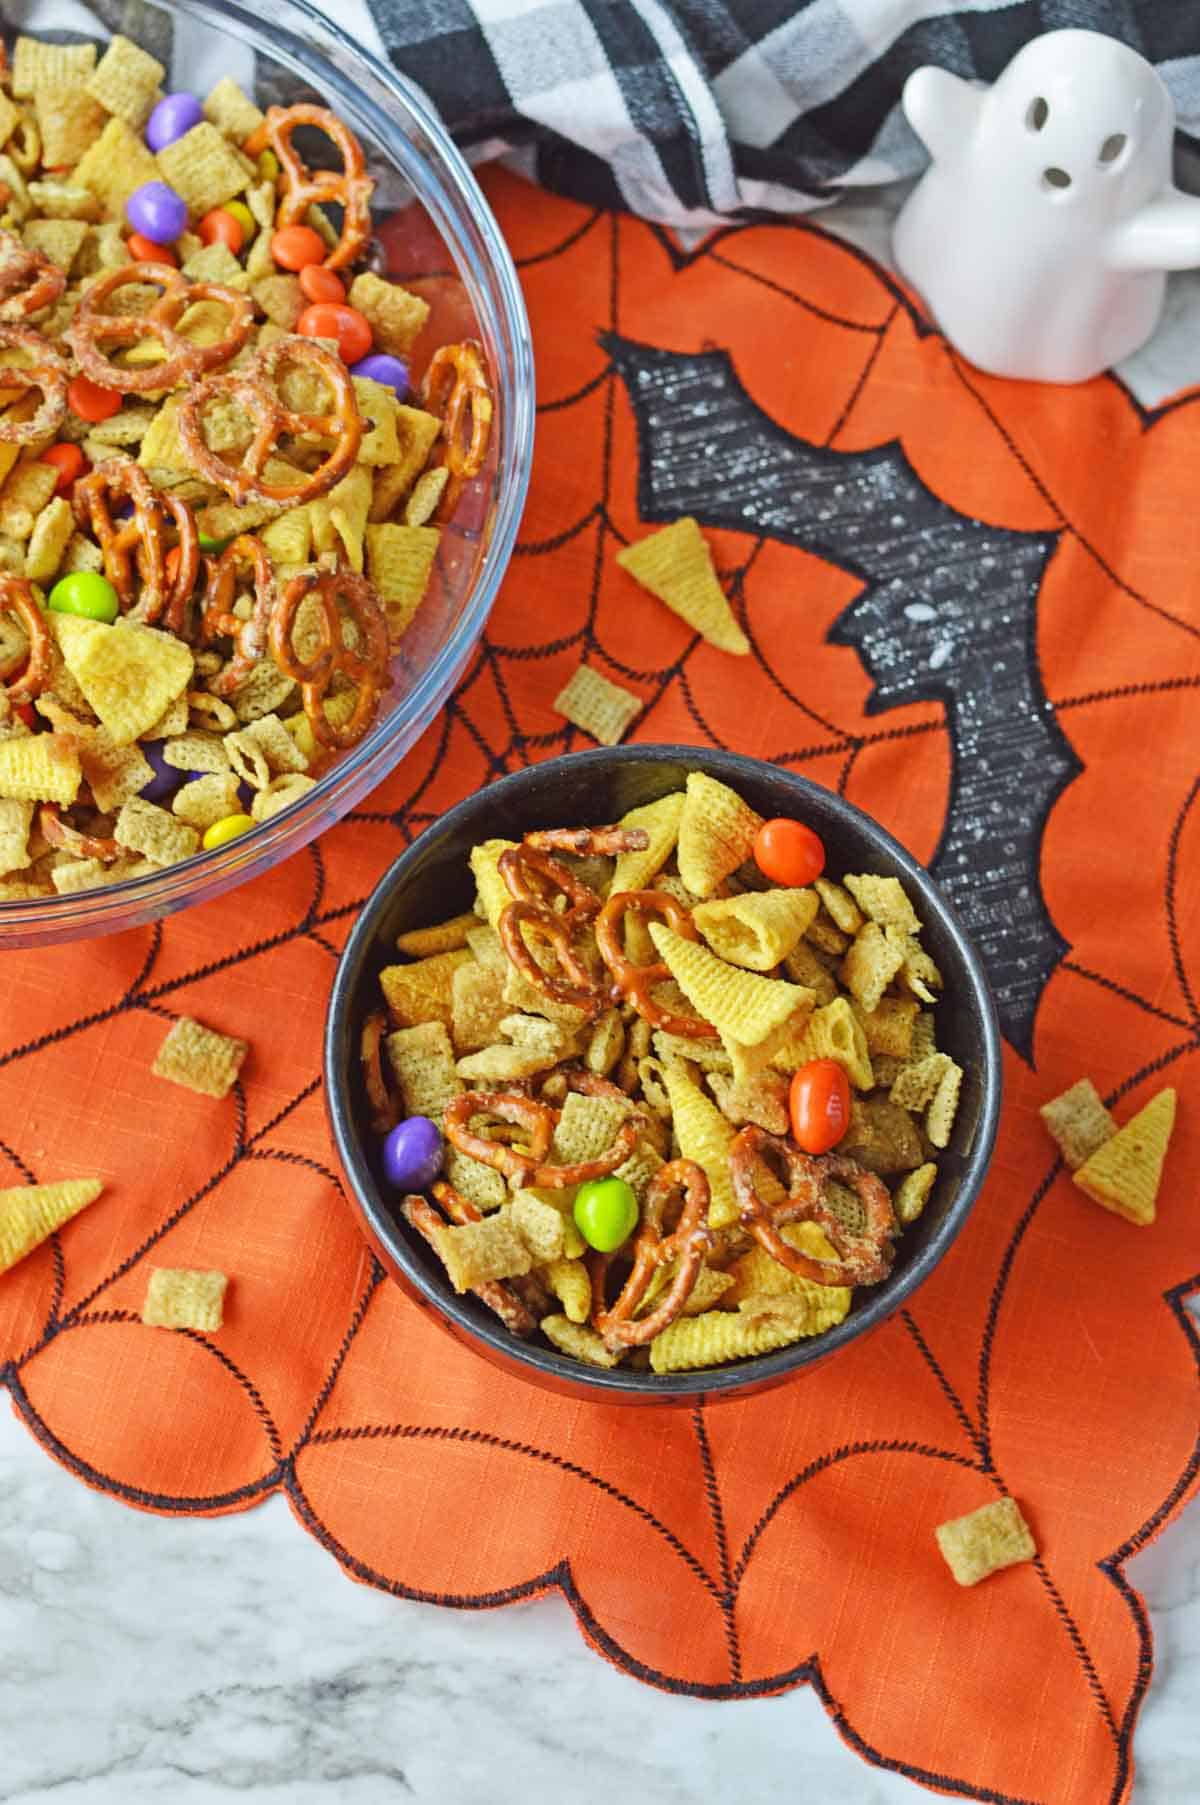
x,y
1055,178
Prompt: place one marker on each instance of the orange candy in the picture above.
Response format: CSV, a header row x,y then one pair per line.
x,y
222,227
144,250
70,463
333,319
788,853
91,401
320,284
819,1105
294,247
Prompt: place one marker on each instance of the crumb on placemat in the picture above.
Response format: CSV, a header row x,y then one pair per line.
x,y
599,707
200,1059
1079,1123
985,1540
180,1297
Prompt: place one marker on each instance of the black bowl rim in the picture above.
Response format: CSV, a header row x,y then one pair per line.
x,y
619,1385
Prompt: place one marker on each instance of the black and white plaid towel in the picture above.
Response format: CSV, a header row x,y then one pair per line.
x,y
682,110
685,111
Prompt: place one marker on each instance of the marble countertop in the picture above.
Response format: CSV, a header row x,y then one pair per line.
x,y
150,1658
201,1661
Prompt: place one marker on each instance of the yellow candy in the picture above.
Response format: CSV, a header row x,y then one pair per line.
x,y
221,832
244,217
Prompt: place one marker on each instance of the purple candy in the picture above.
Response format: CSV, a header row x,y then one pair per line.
x,y
171,118
157,212
412,1154
166,778
382,368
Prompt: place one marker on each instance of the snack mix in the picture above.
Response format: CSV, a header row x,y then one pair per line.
x,y
669,1092
219,492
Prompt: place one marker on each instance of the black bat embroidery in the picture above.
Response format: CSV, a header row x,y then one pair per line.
x,y
947,613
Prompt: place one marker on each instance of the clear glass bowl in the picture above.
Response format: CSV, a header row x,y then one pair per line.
x,y
441,238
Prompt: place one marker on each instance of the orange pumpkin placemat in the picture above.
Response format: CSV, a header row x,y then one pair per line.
x,y
973,609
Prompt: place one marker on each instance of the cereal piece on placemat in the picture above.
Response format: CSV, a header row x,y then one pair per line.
x,y
676,566
31,1213
200,1058
126,82
1123,1175
716,833
182,1298
599,707
994,1536
1079,1123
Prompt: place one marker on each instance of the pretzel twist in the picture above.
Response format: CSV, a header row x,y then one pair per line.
x,y
16,598
61,834
634,983
251,638
455,387
183,359
537,1121
532,877
166,581
687,1245
863,1258
349,187
28,281
47,371
365,663
253,388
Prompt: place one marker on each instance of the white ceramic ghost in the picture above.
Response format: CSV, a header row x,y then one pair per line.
x,y
1040,234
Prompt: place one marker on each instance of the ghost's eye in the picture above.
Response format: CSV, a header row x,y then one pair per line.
x,y
1037,114
1112,147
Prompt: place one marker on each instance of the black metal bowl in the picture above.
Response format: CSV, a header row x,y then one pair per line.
x,y
432,880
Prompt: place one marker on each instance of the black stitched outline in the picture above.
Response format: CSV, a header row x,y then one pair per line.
x,y
1177,827
1123,990
322,1438
712,1493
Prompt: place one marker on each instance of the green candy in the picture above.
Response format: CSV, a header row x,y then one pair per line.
x,y
85,592
605,1212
